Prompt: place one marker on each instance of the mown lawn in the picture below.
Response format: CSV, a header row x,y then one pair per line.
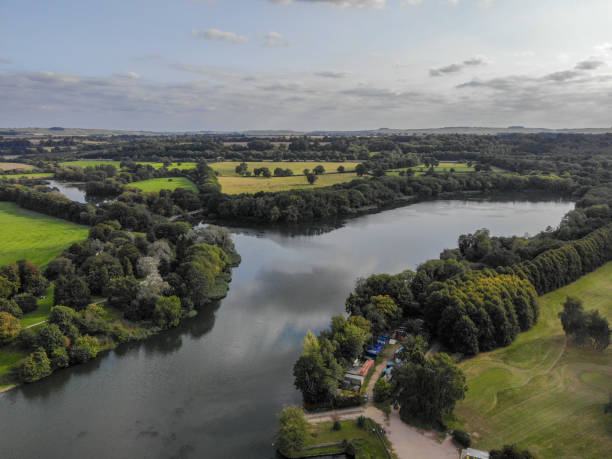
x,y
237,185
542,392
42,312
165,183
367,443
228,168
35,237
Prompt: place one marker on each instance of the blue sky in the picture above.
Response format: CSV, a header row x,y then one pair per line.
x,y
305,64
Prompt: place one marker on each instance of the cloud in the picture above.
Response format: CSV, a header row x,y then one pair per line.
x,y
274,40
219,35
562,76
5,61
456,68
377,4
130,75
331,74
591,64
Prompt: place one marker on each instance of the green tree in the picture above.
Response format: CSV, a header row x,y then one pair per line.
x,y
9,327
429,391
382,391
340,169
71,291
59,358
319,170
360,169
83,349
32,280
293,431
510,452
311,178
167,312
34,367
51,337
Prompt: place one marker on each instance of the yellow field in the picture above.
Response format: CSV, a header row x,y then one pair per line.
x,y
237,185
228,168
11,166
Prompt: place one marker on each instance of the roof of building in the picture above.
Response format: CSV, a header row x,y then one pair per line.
x,y
477,454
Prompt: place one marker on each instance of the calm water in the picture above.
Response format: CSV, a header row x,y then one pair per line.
x,y
211,388
69,190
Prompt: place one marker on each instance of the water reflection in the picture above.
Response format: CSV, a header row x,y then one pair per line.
x,y
211,387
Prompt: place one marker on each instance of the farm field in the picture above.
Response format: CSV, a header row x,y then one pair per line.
x,y
237,185
166,183
86,163
36,237
228,168
442,167
27,175
542,392
11,166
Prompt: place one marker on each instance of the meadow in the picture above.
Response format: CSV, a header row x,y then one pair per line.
x,y
237,185
36,237
228,168
11,166
442,167
92,163
542,392
27,175
165,183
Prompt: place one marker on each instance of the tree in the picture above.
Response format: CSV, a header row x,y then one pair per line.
x,y
350,336
586,328
51,337
34,367
32,280
510,452
9,327
318,170
429,391
167,312
83,349
340,169
360,169
311,178
71,291
382,391
292,433
242,168
26,302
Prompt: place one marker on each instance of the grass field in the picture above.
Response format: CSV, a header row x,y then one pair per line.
x,y
237,185
30,175
368,444
42,312
9,356
228,168
86,163
11,166
542,392
165,183
442,167
36,237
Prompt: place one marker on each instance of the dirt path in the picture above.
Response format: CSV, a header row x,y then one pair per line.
x,y
37,323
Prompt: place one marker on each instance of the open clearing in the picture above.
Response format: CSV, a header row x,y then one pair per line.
x,y
542,392
166,183
11,166
237,185
228,168
36,237
92,163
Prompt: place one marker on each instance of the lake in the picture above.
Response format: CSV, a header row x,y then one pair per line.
x,y
211,388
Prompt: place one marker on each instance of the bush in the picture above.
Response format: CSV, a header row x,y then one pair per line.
x,y
292,434
59,358
11,307
382,391
9,327
511,452
167,312
462,438
337,425
361,422
84,349
35,366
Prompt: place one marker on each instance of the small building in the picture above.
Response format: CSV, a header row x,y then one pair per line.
x,y
472,453
353,380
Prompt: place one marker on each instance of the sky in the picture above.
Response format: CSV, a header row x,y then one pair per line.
x,y
185,65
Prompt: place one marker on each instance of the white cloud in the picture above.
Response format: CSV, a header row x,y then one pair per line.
x,y
275,39
219,35
456,68
377,4
130,75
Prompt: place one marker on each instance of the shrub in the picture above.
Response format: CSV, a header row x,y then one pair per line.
x,y
462,438
382,391
9,327
293,430
11,307
35,366
84,349
59,358
361,422
337,425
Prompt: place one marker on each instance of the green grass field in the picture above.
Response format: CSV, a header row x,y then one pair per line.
x,y
36,237
11,166
166,183
542,392
228,168
442,167
237,185
9,356
91,163
42,312
368,444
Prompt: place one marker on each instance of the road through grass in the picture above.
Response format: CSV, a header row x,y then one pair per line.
x,y
542,392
